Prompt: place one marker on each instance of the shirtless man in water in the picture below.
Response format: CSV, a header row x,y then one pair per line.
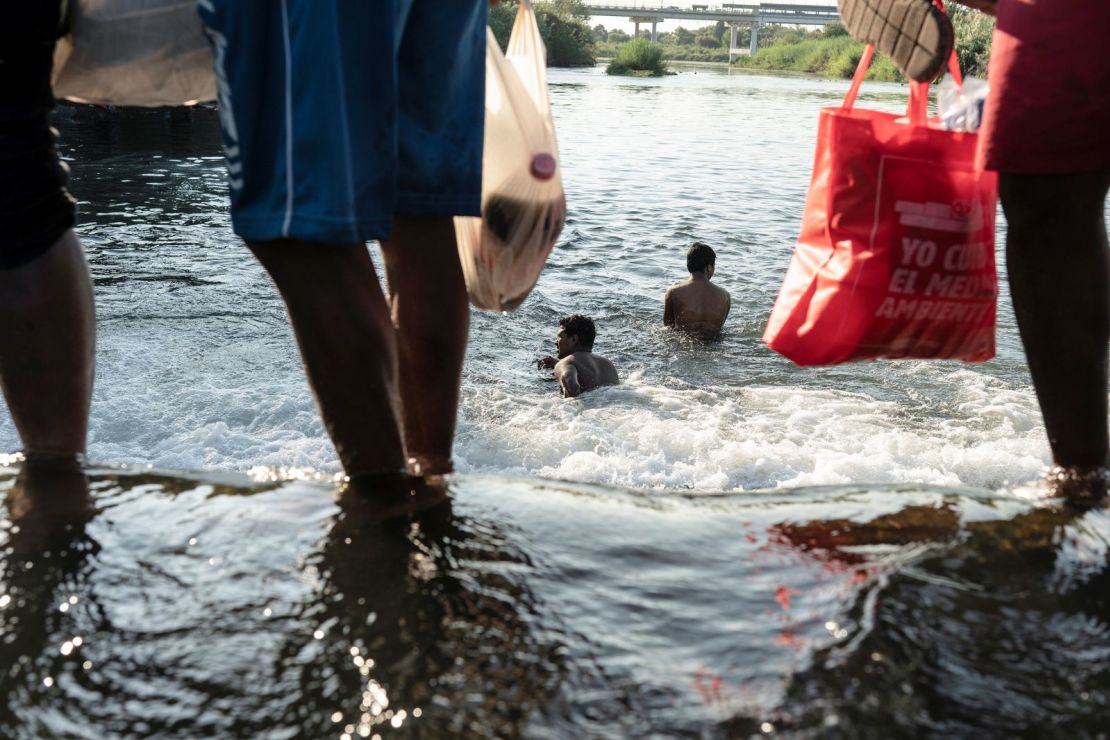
x,y
578,369
695,304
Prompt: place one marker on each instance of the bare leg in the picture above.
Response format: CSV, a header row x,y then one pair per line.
x,y
431,313
341,322
47,348
1056,253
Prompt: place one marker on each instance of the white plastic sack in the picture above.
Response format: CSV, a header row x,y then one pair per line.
x,y
135,52
523,206
960,105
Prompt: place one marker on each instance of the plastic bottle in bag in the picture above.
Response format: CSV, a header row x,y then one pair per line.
x,y
960,107
523,205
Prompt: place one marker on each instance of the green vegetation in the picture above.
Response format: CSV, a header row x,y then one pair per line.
x,y
562,25
833,54
830,52
501,22
638,57
708,44
974,31
672,52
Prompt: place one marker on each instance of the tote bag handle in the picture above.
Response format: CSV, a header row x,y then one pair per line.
x,y
919,91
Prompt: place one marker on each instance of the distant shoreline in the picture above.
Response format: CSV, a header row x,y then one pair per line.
x,y
699,63
602,61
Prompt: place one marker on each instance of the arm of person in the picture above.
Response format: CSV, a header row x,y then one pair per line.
x,y
668,309
567,375
546,363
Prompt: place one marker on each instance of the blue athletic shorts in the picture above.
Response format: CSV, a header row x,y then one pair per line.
x,y
339,114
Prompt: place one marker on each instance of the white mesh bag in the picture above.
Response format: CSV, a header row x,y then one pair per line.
x,y
135,52
523,206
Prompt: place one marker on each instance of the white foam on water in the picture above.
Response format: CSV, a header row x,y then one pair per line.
x,y
197,417
725,439
640,434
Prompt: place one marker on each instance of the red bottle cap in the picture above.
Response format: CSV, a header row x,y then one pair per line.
x,y
543,166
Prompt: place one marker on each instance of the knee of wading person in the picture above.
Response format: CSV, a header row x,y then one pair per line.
x,y
315,267
1026,201
1052,206
426,283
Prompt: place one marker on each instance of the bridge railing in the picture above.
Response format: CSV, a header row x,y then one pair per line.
x,y
758,14
715,8
725,9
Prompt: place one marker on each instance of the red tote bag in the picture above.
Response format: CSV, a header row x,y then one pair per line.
x,y
896,254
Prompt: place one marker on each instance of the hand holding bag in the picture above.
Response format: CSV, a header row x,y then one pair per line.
x,y
523,206
896,253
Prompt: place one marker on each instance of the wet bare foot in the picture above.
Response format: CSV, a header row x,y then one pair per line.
x,y
429,466
1082,486
373,498
49,499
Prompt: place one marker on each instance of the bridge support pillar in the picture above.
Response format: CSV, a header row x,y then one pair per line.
x,y
636,29
654,35
733,30
755,38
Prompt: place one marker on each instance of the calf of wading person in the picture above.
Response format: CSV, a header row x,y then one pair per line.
x,y
577,368
47,319
695,304
1049,143
343,123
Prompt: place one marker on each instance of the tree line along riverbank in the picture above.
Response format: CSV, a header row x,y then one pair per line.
x,y
831,52
828,51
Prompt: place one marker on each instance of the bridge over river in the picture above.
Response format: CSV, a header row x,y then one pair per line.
x,y
736,15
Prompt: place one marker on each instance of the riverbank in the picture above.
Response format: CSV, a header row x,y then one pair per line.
x,y
832,56
671,52
830,52
835,56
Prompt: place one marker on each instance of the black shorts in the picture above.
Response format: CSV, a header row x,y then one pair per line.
x,y
35,207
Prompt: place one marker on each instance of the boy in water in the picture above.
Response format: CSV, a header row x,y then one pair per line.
x,y
695,304
578,369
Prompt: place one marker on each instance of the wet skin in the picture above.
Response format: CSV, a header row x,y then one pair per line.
x,y
396,360
47,348
696,305
578,369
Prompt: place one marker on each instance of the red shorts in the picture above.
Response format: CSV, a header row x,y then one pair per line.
x,y
1049,105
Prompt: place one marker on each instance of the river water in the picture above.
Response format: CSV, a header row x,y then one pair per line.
x,y
738,547
197,369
